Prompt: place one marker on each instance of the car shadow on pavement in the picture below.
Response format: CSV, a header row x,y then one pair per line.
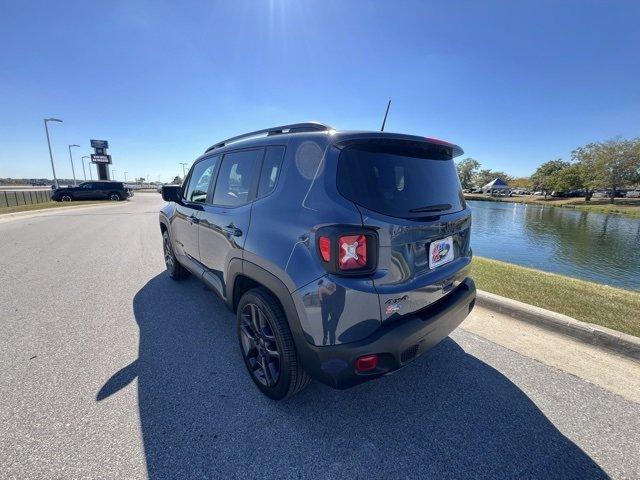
x,y
446,415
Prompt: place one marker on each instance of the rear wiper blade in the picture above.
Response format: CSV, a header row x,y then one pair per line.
x,y
440,207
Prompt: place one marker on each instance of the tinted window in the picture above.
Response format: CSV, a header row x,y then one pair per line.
x,y
86,186
270,170
236,175
200,180
401,179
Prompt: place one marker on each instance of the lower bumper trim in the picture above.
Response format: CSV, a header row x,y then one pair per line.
x,y
396,344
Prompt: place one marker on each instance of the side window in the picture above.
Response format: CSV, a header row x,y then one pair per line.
x,y
270,170
200,179
236,177
86,186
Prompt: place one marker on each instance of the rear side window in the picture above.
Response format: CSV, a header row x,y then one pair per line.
x,y
237,173
400,179
200,179
270,170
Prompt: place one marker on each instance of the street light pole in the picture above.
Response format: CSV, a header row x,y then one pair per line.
x,y
72,169
113,174
183,172
55,179
83,170
125,177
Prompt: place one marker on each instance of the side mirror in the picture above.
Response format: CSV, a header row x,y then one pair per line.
x,y
172,193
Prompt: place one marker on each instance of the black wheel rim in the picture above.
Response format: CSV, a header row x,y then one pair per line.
x,y
259,345
115,198
168,255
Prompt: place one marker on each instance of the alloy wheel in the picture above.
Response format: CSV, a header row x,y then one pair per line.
x,y
168,254
259,345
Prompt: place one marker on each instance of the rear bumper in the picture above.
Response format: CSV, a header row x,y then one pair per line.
x,y
396,344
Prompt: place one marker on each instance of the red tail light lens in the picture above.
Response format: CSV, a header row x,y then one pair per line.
x,y
366,363
325,248
352,252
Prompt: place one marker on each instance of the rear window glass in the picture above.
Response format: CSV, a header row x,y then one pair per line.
x,y
270,170
400,179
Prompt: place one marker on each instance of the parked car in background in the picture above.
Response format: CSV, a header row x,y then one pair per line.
x,y
95,190
607,193
633,194
301,285
538,193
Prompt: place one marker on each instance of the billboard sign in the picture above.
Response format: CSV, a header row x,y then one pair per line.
x,y
99,144
100,158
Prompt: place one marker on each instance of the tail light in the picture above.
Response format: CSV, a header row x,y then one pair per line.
x,y
352,252
347,252
366,363
325,248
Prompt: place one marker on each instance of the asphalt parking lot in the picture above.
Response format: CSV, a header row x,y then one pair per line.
x,y
112,370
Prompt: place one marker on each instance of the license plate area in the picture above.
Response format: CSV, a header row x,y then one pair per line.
x,y
440,252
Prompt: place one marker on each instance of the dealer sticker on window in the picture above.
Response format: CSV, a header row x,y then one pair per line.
x,y
440,252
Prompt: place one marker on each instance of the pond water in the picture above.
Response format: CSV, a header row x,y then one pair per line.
x,y
592,246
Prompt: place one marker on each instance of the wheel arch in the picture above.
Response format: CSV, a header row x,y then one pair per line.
x,y
250,276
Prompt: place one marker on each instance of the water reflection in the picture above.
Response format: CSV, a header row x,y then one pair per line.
x,y
592,246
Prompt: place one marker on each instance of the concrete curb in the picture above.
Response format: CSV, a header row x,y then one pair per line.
x,y
6,217
618,342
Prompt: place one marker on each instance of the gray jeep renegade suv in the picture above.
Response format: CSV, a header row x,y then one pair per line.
x,y
345,255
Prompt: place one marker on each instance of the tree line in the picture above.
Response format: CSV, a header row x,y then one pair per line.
x,y
610,165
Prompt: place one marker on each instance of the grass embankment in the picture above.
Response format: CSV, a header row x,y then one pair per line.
x,y
45,205
590,302
624,206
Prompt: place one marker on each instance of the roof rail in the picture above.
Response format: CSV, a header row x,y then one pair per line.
x,y
293,128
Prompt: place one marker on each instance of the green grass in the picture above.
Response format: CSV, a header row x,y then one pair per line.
x,y
43,206
623,206
590,302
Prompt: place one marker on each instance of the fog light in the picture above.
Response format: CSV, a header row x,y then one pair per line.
x,y
366,363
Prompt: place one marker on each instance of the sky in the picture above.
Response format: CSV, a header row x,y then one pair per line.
x,y
513,83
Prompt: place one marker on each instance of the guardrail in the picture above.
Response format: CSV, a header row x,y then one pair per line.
x,y
24,197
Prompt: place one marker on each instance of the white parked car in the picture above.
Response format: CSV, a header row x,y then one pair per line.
x,y
633,194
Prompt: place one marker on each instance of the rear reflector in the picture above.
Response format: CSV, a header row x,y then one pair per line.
x,y
366,363
325,248
352,252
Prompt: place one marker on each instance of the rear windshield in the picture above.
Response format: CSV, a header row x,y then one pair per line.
x,y
400,179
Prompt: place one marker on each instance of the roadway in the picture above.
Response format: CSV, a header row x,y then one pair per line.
x,y
112,370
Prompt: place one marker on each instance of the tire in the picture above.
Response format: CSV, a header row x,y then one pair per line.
x,y
175,270
288,377
65,197
114,197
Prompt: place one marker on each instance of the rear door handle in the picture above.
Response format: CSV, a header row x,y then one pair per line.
x,y
231,229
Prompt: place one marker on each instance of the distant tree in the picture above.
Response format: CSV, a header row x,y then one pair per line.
x,y
177,180
140,180
612,164
543,177
467,170
520,182
568,178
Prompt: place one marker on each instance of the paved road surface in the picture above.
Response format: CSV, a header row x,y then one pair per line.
x,y
112,370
